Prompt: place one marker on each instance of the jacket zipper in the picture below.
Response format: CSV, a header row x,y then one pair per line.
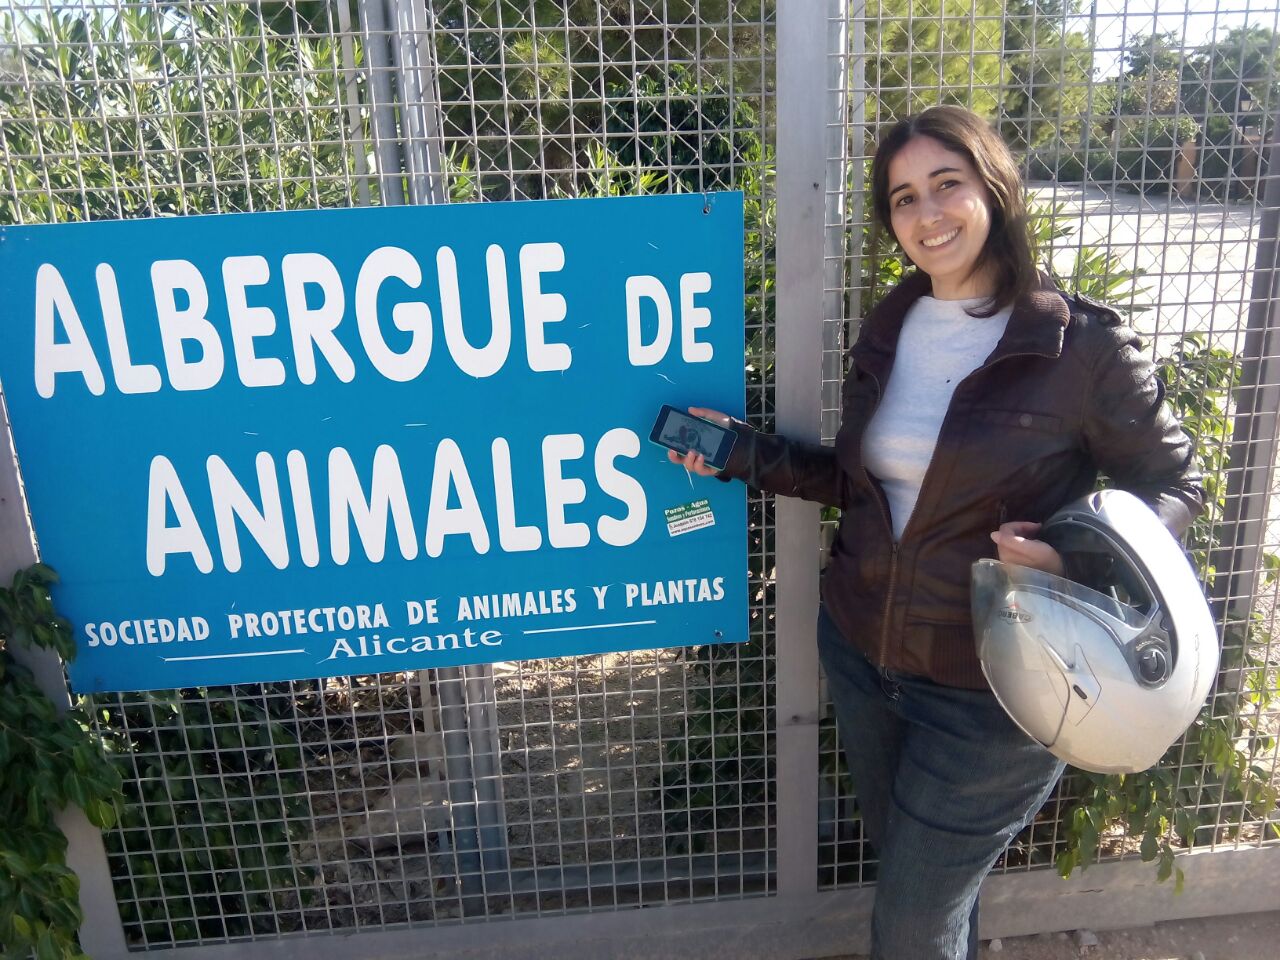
x,y
884,508
883,503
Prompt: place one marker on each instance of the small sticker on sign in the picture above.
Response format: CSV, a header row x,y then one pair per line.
x,y
689,516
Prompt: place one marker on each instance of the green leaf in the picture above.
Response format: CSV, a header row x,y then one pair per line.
x,y
1150,845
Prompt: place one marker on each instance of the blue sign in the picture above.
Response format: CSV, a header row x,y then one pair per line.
x,y
285,445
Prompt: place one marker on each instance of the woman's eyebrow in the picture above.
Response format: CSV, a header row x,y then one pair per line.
x,y
940,170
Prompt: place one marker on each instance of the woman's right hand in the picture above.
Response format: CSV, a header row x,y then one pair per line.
x,y
693,461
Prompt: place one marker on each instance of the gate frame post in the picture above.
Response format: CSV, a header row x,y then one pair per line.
x,y
1255,438
810,86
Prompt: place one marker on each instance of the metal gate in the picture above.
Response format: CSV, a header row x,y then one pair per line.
x,y
703,783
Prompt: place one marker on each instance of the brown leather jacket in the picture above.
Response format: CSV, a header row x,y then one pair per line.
x,y
1065,393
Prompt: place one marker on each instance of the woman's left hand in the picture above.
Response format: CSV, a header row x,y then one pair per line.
x,y
1015,545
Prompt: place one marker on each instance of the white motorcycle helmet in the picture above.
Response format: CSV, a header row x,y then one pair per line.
x,y
1110,674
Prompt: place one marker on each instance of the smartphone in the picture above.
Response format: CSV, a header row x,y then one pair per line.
x,y
678,431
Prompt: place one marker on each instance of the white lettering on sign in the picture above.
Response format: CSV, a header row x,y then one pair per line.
x,y
182,325
249,323
513,537
475,361
411,317
75,355
451,477
173,528
643,354
541,308
622,487
315,327
375,646
190,330
646,353
129,377
231,502
165,493
347,503
694,318
563,491
151,630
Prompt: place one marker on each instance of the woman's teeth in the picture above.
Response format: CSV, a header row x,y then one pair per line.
x,y
939,241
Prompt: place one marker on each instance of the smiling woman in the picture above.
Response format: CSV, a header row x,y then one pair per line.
x,y
979,401
940,214
955,203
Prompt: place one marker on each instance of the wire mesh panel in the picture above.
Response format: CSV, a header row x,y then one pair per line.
x,y
1141,131
541,787
646,778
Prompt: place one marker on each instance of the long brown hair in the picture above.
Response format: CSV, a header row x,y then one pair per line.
x,y
1007,250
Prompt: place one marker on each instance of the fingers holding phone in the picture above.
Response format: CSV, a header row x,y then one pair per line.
x,y
693,462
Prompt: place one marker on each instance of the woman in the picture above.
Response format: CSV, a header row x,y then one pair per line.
x,y
979,400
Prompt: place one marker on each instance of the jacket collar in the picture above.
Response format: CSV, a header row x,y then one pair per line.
x,y
1035,326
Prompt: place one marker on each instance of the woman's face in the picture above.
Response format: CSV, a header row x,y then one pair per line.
x,y
941,215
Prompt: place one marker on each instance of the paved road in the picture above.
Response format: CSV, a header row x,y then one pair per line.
x,y
1250,936
1197,261
1197,258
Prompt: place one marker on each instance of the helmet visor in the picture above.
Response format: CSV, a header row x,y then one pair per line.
x,y
1032,630
996,586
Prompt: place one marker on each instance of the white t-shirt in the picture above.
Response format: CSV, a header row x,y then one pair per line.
x,y
939,346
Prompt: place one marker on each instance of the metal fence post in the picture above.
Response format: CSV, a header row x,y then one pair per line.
x,y
466,694
382,100
804,101
419,102
101,931
1255,436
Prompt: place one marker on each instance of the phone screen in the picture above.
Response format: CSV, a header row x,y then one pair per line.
x,y
688,433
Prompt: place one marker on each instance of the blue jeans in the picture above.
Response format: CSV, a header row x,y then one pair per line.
x,y
945,780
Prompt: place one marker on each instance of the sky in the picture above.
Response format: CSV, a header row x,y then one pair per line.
x,y
1198,21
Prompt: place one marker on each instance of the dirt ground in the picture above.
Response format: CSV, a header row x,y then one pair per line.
x,y
1250,936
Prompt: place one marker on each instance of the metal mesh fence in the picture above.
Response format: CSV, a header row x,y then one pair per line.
x,y
1140,128
541,787
602,783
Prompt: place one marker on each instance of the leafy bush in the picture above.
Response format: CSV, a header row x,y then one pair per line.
x,y
189,123
1178,802
49,760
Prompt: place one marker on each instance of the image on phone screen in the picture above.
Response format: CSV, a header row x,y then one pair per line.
x,y
691,434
